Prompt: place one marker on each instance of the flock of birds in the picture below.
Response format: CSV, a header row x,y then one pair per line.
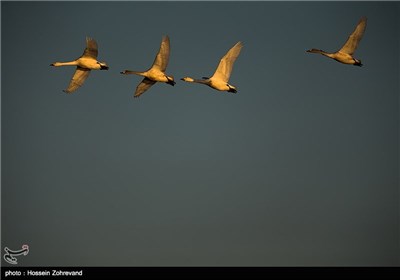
x,y
219,80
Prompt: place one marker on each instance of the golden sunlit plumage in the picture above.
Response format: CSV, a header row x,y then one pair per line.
x,y
220,78
85,63
156,73
345,54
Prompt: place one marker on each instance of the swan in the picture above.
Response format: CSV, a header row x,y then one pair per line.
x,y
345,54
219,80
156,73
85,63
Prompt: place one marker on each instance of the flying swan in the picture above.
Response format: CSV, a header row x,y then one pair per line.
x,y
85,63
345,54
157,71
219,80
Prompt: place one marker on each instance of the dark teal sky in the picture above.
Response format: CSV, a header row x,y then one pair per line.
x,y
301,167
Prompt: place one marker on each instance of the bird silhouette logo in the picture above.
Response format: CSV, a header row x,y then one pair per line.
x,y
9,256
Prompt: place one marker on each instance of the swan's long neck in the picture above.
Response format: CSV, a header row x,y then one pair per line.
x,y
200,81
69,63
321,52
127,72
191,80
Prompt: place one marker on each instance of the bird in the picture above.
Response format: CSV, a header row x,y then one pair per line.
x,y
84,64
156,73
219,80
345,54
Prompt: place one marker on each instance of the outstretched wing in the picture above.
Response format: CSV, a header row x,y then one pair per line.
x,y
144,85
162,58
91,48
78,79
352,42
225,65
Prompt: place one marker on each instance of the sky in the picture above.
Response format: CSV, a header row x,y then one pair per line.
x,y
299,168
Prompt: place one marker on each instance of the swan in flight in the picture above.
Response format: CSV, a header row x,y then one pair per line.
x,y
219,80
345,54
157,71
85,63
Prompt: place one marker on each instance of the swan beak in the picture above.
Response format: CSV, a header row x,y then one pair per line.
x,y
182,79
52,64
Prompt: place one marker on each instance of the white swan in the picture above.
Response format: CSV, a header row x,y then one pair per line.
x,y
156,73
219,80
85,63
345,54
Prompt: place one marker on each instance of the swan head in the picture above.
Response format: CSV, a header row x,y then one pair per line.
x,y
55,64
103,65
188,79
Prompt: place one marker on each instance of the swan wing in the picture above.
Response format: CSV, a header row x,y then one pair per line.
x,y
162,58
91,48
352,42
78,79
225,65
143,86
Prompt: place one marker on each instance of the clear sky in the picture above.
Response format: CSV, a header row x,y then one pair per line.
x,y
300,167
